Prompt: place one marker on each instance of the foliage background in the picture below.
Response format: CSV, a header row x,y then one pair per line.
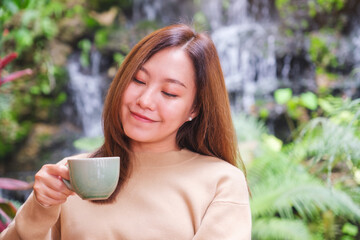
x,y
305,184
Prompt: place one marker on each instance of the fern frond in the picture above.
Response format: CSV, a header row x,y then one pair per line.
x,y
353,192
269,164
291,195
276,228
248,128
347,105
323,138
335,105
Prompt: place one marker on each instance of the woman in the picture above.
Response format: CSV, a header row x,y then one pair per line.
x,y
168,118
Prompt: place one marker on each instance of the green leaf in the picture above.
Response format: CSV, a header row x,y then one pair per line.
x,y
61,98
35,90
350,229
281,3
309,100
48,27
29,16
326,105
101,38
54,8
23,38
89,144
283,95
8,208
90,22
85,45
45,88
272,142
264,113
119,58
11,6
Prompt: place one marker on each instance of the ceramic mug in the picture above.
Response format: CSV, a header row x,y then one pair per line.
x,y
93,178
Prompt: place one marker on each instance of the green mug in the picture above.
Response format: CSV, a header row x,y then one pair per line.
x,y
93,178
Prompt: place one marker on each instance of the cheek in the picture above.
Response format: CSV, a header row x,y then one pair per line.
x,y
129,95
125,100
176,113
126,94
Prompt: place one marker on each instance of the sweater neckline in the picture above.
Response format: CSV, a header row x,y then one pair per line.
x,y
162,159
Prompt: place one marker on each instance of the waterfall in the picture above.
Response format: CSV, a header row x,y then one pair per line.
x,y
353,84
247,52
164,11
355,40
86,93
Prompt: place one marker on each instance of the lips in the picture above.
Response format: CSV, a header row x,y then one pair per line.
x,y
141,118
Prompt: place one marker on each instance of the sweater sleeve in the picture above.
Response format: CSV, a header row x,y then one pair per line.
x,y
228,217
32,221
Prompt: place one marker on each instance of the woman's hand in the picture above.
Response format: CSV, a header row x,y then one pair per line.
x,y
49,189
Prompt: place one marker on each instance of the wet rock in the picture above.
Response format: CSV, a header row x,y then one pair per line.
x,y
70,29
59,52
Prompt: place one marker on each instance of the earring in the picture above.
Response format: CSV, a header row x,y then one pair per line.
x,y
190,119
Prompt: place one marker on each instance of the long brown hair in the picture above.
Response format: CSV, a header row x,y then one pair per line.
x,y
210,133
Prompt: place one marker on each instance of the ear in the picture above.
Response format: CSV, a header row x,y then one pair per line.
x,y
194,112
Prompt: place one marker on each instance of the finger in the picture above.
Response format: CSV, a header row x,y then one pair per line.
x,y
42,188
58,185
45,180
57,170
47,201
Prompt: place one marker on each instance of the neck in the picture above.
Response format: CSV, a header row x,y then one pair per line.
x,y
141,160
153,147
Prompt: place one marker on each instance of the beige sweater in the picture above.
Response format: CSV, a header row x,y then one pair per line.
x,y
172,195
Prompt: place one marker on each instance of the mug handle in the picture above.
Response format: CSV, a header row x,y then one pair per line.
x,y
67,182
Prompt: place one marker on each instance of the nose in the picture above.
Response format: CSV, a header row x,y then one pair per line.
x,y
146,99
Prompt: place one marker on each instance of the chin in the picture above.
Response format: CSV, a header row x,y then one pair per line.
x,y
137,137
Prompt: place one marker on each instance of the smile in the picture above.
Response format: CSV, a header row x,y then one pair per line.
x,y
141,118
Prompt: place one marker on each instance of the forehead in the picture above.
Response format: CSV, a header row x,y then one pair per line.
x,y
173,63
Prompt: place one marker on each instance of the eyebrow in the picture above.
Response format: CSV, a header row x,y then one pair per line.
x,y
170,80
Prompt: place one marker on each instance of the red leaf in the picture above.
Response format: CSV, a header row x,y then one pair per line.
x,y
15,75
7,59
2,226
5,32
14,184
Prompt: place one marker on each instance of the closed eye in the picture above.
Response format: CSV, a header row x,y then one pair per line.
x,y
169,94
138,81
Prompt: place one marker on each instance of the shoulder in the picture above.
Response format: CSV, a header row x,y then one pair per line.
x,y
218,166
229,181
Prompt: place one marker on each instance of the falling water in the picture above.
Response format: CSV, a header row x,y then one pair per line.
x,y
355,40
353,85
164,11
87,94
247,54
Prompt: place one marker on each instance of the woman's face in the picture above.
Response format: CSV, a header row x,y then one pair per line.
x,y
159,100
